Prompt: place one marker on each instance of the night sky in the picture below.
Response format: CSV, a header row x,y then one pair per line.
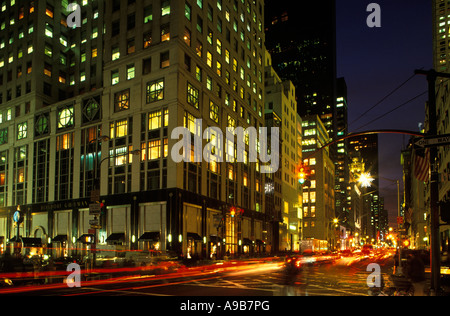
x,y
374,62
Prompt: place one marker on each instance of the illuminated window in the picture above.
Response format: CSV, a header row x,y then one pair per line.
x,y
49,11
155,91
22,130
214,112
187,36
166,117
119,156
230,173
115,53
48,30
189,123
154,120
165,7
165,33
209,59
154,150
148,14
114,77
193,96
131,72
213,166
119,129
65,117
64,142
147,40
122,100
48,70
166,148
313,197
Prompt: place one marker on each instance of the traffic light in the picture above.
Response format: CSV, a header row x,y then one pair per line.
x,y
302,176
236,212
102,208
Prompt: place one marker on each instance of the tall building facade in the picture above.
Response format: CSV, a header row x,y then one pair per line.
x,y
366,147
342,178
319,196
95,124
307,56
281,103
441,55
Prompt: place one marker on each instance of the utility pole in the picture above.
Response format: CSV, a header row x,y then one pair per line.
x,y
432,76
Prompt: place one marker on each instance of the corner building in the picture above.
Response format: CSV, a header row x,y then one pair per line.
x,y
135,70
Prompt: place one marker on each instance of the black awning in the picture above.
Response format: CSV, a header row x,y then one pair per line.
x,y
86,239
215,239
259,242
246,241
28,242
150,236
116,238
194,236
60,238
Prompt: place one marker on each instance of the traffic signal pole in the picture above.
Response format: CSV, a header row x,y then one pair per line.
x,y
435,255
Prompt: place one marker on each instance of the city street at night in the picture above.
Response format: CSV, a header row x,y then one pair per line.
x,y
346,276
263,149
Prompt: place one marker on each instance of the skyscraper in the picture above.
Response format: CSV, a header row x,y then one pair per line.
x,y
319,196
441,54
94,106
366,147
280,103
301,36
342,162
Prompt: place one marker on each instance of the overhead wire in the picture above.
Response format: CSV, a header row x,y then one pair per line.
x,y
403,104
384,98
393,110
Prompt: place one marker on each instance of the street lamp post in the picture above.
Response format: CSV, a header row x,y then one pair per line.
x,y
96,178
400,269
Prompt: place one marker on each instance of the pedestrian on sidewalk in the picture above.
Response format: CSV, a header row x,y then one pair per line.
x,y
415,271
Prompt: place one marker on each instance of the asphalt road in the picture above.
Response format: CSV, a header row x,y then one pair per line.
x,y
343,277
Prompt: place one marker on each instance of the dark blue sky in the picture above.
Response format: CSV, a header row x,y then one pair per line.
x,y
374,62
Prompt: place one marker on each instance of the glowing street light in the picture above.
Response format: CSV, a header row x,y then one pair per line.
x,y
365,180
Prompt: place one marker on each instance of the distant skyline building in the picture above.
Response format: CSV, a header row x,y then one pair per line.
x,y
307,56
319,196
342,162
367,147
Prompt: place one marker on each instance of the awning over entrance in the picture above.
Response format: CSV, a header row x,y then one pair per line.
x,y
116,238
214,239
247,242
194,236
60,238
29,242
86,239
150,236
